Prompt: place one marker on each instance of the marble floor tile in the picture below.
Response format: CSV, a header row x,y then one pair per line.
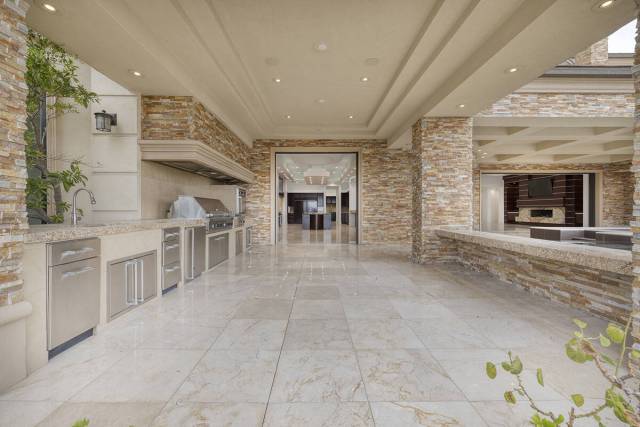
x,y
318,376
332,414
141,376
369,308
317,334
274,291
104,414
421,308
405,375
181,336
25,414
230,376
322,292
382,334
211,415
252,334
425,414
449,333
258,308
317,309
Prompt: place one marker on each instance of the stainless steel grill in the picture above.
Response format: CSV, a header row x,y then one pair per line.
x,y
213,210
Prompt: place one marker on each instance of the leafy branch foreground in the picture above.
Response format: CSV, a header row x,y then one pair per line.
x,y
621,397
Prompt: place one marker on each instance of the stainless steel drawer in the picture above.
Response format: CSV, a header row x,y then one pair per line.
x,y
170,252
72,250
170,275
171,234
73,300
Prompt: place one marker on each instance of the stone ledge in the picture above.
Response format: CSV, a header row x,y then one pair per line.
x,y
611,260
14,312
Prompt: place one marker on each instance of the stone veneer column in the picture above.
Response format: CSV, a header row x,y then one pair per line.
x,y
13,222
442,184
635,223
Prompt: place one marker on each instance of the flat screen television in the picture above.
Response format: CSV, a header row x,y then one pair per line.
x,y
540,187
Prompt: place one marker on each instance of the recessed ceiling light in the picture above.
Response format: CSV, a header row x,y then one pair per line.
x,y
364,79
350,116
288,116
49,7
321,46
371,61
512,70
321,100
606,4
277,79
460,105
136,73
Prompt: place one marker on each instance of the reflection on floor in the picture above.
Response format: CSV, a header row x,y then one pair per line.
x,y
314,335
293,234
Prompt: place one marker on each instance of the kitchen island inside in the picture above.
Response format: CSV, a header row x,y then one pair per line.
x,y
316,221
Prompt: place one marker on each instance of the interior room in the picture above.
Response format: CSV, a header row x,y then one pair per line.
x,y
317,198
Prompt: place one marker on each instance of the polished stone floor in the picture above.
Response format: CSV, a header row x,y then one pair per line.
x,y
313,335
294,234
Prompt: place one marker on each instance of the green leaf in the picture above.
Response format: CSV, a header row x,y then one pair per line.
x,y
506,366
509,397
604,341
81,423
490,368
516,366
580,324
578,399
615,333
539,377
635,354
608,360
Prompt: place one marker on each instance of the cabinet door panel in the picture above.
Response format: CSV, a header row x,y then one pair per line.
x,y
147,283
120,293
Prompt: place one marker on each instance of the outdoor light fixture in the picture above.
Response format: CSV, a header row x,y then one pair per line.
x,y
104,121
607,3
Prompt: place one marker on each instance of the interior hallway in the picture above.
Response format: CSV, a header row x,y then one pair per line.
x,y
336,335
295,234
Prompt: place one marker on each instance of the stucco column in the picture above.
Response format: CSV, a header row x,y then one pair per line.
x,y
13,216
635,168
442,183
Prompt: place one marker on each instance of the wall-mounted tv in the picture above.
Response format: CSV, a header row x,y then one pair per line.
x,y
540,187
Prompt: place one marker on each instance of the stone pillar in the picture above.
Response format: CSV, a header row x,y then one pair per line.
x,y
596,54
442,184
635,223
13,216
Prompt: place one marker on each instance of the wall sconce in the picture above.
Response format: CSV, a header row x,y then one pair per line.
x,y
104,121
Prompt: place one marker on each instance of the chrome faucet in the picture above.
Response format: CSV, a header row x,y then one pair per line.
x,y
74,211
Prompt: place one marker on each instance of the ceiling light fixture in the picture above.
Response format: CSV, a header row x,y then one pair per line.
x,y
288,116
136,73
350,116
364,79
321,100
460,105
321,46
606,4
49,7
277,79
512,69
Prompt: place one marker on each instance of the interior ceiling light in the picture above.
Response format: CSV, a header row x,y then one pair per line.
x,y
460,105
321,46
136,73
277,79
512,69
288,116
49,7
350,116
321,100
606,4
364,79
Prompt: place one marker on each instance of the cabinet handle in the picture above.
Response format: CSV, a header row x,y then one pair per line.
x,y
170,235
140,298
172,269
128,284
77,272
80,251
169,247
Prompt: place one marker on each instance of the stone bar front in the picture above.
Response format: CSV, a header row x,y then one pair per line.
x,y
442,184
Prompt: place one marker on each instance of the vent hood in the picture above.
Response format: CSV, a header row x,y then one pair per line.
x,y
195,157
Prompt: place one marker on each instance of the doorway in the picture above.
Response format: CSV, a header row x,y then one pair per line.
x,y
317,197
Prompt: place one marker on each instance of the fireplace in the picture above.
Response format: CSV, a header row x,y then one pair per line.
x,y
541,213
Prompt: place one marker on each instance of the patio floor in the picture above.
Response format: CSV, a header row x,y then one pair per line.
x,y
315,335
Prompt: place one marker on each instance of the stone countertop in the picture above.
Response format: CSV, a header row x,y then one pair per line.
x,y
606,259
59,232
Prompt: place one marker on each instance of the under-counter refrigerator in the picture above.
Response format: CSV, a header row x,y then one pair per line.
x,y
195,240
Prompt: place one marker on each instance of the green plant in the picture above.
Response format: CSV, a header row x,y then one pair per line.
x,y
621,396
81,423
53,89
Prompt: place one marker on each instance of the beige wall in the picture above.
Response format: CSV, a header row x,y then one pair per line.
x,y
386,188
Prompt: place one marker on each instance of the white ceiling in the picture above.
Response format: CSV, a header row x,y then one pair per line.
x,y
432,55
340,166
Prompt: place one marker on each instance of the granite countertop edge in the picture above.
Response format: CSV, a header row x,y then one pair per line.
x,y
606,259
56,233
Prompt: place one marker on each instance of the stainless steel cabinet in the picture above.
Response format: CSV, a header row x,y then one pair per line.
x,y
195,248
132,281
249,237
218,249
170,258
239,242
73,290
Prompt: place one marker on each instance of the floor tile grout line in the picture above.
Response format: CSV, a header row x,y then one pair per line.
x,y
275,372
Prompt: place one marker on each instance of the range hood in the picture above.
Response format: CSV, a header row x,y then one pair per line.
x,y
195,157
